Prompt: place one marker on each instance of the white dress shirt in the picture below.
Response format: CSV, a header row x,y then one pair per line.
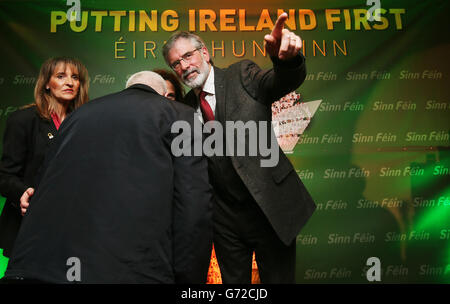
x,y
210,97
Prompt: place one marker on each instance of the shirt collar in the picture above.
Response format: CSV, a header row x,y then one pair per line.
x,y
208,87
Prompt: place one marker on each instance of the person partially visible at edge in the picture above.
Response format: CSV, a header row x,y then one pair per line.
x,y
257,209
175,90
62,87
114,196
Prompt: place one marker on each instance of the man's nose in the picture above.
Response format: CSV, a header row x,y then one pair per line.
x,y
184,65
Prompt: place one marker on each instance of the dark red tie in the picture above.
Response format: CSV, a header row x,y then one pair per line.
x,y
205,107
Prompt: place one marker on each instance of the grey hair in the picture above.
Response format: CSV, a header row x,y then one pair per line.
x,y
152,79
196,41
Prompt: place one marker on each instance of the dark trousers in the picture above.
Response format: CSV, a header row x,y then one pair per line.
x,y
240,229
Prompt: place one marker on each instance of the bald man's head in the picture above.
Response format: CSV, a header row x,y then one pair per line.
x,y
152,79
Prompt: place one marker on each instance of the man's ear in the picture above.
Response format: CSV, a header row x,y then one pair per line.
x,y
205,53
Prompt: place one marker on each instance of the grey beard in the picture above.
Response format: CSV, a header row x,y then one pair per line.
x,y
198,81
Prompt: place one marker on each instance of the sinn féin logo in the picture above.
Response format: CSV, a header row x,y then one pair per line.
x,y
290,117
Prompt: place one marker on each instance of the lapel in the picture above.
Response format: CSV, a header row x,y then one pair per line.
x,y
227,106
191,99
223,108
47,129
220,91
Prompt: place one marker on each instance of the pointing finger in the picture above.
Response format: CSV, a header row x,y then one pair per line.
x,y
279,25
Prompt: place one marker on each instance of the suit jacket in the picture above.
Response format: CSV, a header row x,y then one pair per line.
x,y
113,196
244,92
26,140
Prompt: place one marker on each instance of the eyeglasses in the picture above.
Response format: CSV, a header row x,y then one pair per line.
x,y
186,58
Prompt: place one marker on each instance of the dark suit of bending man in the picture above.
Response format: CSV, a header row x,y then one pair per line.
x,y
257,208
113,196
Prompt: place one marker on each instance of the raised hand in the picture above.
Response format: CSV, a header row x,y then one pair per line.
x,y
282,43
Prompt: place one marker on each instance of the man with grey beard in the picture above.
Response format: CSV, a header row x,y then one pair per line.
x,y
257,209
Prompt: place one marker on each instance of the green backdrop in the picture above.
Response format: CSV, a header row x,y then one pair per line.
x,y
375,156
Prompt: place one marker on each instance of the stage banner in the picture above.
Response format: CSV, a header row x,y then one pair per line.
x,y
371,142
